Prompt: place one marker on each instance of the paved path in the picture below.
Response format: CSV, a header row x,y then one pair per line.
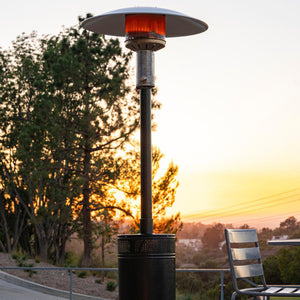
x,y
10,291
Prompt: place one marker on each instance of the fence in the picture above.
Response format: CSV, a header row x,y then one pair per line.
x,y
70,271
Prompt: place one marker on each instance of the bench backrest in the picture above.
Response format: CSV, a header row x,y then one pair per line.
x,y
244,256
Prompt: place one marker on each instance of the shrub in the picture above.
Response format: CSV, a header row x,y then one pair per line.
x,y
71,260
21,261
184,297
82,274
111,286
15,255
271,270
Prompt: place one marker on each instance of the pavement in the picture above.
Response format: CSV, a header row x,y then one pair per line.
x,y
10,291
15,288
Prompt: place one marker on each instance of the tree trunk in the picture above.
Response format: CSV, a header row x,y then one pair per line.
x,y
4,226
60,251
43,244
2,248
43,250
19,225
60,244
86,213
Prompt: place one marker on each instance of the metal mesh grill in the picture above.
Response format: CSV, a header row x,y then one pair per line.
x,y
140,244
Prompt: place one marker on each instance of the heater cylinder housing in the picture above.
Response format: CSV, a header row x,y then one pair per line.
x,y
145,69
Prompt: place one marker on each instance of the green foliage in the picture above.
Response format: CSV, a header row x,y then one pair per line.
x,y
71,259
99,281
184,296
82,274
67,113
111,286
188,282
21,260
16,255
112,275
212,293
37,260
65,109
271,270
289,265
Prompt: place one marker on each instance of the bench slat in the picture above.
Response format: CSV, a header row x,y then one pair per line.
x,y
245,253
287,290
248,271
242,236
273,290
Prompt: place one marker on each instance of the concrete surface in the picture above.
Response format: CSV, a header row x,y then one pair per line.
x,y
9,291
15,288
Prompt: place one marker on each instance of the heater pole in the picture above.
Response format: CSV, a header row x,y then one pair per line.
x,y
146,221
145,82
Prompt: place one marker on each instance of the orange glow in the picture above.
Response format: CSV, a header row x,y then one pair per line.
x,y
145,23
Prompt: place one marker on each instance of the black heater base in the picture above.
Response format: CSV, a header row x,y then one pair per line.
x,y
146,267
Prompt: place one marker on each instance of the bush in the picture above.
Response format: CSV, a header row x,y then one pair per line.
x,y
82,274
21,261
19,257
271,270
98,281
183,297
71,260
188,283
212,294
111,286
15,255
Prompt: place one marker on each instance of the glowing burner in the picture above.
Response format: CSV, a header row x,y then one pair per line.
x,y
145,25
145,31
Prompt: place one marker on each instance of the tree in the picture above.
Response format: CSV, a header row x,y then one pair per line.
x,y
163,191
213,236
288,226
244,226
67,112
271,270
105,230
35,166
90,76
65,108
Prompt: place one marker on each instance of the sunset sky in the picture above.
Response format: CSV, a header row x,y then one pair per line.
x,y
231,101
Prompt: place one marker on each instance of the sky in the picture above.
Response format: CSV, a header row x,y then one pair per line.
x,y
230,101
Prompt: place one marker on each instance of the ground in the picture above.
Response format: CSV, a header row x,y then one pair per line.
x,y
59,279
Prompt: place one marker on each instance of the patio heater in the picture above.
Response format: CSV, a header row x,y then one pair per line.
x,y
146,261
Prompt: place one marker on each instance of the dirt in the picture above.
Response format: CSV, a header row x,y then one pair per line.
x,y
59,279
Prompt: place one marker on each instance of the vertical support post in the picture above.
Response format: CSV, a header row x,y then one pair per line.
x,y
146,221
222,285
70,284
145,81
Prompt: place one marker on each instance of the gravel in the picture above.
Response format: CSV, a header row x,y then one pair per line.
x,y
59,279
